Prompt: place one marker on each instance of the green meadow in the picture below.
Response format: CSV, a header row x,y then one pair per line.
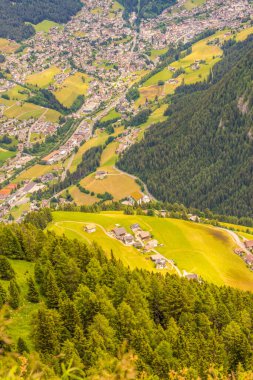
x,y
21,316
5,155
197,248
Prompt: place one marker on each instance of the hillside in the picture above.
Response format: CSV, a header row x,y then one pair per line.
x,y
69,305
146,8
194,247
14,16
202,155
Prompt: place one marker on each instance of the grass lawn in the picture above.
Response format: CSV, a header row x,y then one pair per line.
x,y
43,78
157,53
109,157
244,34
15,93
34,172
118,184
99,139
18,210
196,248
20,319
7,46
113,114
190,4
73,86
45,26
82,198
5,155
117,6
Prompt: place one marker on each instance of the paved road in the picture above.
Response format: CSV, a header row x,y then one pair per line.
x,y
134,177
238,241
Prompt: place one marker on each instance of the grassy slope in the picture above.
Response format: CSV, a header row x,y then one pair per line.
x,y
43,78
194,247
200,50
190,4
45,26
20,320
5,154
73,86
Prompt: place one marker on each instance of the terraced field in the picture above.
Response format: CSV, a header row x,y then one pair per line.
x,y
197,248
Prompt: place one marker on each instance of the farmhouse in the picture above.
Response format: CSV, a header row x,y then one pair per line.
x,y
100,174
151,245
159,260
144,235
128,239
119,232
139,198
90,228
190,276
249,244
135,227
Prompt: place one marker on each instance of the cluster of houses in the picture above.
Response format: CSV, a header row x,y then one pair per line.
x,y
82,133
126,139
247,253
184,24
138,238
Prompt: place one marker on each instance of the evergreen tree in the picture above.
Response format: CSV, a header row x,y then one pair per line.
x,y
6,270
32,294
46,331
22,346
14,296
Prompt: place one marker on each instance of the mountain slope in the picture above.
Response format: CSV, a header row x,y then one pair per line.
x,y
202,155
14,15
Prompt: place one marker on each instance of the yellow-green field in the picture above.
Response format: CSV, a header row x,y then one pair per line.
x,y
197,248
157,53
43,78
99,139
210,54
117,6
73,86
7,46
17,211
21,316
113,114
24,111
17,93
82,198
45,26
33,172
5,155
109,156
190,4
242,231
118,184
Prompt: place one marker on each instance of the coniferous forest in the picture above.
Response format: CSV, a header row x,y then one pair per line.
x,y
202,154
14,16
92,310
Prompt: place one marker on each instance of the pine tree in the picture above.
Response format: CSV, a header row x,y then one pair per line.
x,y
46,331
14,297
22,346
32,294
52,291
6,270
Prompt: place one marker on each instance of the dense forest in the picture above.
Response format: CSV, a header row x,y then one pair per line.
x,y
202,154
146,8
92,310
15,15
